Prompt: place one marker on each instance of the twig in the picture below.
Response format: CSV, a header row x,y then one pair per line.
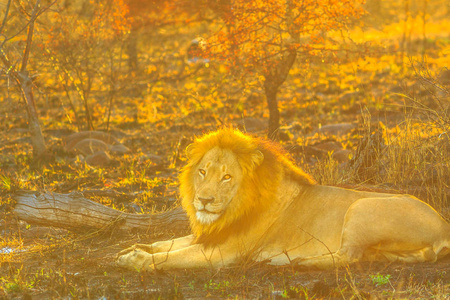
x,y
5,17
26,52
26,25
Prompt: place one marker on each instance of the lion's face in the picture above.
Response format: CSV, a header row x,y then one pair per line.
x,y
216,182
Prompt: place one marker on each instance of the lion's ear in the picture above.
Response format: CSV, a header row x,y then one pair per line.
x,y
188,150
257,158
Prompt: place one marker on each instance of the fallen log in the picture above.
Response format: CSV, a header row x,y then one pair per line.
x,y
74,212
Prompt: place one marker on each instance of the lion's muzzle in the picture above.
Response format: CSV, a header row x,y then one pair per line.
x,y
206,200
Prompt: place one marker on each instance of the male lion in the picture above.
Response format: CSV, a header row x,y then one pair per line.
x,y
246,200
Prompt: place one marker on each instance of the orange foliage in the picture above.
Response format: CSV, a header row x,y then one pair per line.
x,y
157,13
258,32
105,22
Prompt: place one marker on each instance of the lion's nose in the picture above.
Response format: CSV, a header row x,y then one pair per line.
x,y
206,200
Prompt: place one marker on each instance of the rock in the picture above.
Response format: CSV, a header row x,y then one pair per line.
x,y
335,129
90,146
119,149
342,155
90,142
323,150
98,159
59,133
118,133
329,146
75,138
311,151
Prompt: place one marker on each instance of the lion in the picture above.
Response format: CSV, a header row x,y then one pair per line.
x,y
246,201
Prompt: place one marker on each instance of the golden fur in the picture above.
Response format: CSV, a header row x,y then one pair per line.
x,y
245,198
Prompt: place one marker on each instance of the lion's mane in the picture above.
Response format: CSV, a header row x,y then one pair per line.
x,y
257,189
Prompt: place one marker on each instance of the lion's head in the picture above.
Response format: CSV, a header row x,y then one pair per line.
x,y
229,179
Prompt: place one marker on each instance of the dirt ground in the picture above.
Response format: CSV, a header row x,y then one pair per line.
x,y
325,137
78,266
377,120
51,263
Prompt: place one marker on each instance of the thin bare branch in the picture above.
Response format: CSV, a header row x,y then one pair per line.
x,y
26,52
40,12
5,18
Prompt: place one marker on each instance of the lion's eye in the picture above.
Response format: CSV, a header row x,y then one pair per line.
x,y
202,172
226,177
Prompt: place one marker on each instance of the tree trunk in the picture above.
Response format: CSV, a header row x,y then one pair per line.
x,y
23,78
26,84
273,80
37,139
76,213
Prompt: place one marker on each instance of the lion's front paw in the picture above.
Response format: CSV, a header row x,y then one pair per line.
x,y
143,247
135,259
298,261
304,263
125,251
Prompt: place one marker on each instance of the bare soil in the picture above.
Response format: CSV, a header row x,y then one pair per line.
x,y
52,263
81,266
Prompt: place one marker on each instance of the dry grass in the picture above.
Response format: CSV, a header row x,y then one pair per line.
x,y
401,144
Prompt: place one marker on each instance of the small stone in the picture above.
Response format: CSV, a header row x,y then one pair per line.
x,y
98,159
